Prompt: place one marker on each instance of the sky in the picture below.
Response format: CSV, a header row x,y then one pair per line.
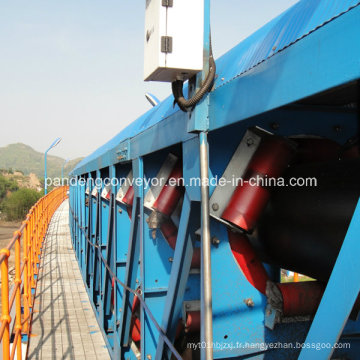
x,y
74,68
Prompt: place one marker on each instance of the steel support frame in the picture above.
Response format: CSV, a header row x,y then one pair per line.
x,y
335,307
133,255
178,278
295,57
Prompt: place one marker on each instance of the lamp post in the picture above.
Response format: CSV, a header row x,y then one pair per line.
x,y
62,171
56,141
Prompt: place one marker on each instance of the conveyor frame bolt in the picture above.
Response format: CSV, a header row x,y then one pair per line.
x,y
249,302
250,141
215,206
215,240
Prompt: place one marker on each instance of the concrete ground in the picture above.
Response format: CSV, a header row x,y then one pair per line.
x,y
64,325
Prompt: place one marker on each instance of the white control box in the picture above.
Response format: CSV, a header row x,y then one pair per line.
x,y
174,39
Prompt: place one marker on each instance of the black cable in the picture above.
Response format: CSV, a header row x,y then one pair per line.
x,y
177,87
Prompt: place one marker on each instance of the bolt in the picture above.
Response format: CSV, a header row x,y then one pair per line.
x,y
120,211
249,302
249,141
337,128
187,306
148,357
215,206
274,125
171,259
215,240
137,281
222,79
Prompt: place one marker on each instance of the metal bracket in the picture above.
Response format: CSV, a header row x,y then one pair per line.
x,y
235,170
106,192
167,3
125,187
166,44
163,175
94,191
193,305
123,152
271,317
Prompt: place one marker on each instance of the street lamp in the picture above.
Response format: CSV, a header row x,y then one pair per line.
x,y
62,171
56,141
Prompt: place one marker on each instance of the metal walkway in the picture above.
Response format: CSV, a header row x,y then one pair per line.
x,y
64,325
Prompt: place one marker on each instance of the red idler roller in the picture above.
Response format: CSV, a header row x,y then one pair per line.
x,y
171,193
135,326
170,231
250,198
196,259
311,150
352,152
193,321
301,298
128,199
135,331
248,261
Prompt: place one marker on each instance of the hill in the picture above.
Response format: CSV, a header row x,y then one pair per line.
x,y
21,157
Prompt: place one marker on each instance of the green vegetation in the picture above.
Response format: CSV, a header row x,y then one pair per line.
x,y
285,279
23,158
17,205
18,184
6,186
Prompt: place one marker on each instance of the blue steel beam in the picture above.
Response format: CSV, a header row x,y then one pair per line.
x,y
198,120
339,297
110,261
88,268
132,262
96,258
83,225
295,73
178,278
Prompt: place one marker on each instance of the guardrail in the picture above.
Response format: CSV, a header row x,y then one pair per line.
x,y
32,233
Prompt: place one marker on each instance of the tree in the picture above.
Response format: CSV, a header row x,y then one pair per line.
x,y
17,205
7,185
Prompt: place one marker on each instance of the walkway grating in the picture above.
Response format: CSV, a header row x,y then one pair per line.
x,y
64,324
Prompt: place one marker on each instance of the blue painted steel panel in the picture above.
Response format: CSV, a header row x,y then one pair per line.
x,y
327,58
292,25
296,23
339,307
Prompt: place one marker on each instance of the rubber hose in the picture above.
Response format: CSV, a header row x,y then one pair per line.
x,y
177,87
